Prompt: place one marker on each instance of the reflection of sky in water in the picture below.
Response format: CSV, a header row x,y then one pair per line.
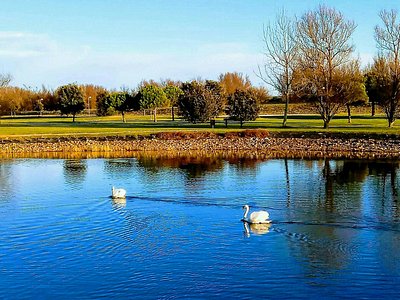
x,y
335,228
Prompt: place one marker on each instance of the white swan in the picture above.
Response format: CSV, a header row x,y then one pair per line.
x,y
118,193
257,217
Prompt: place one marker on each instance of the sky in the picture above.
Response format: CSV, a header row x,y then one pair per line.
x,y
118,43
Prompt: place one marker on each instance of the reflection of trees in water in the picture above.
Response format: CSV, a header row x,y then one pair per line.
x,y
349,188
244,163
5,176
342,179
287,183
348,177
325,246
75,170
191,166
385,179
119,167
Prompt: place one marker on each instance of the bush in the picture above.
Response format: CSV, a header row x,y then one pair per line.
x,y
243,106
199,102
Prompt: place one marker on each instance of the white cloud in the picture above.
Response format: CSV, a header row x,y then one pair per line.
x,y
35,59
20,44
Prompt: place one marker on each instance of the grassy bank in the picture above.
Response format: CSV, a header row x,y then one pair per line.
x,y
137,125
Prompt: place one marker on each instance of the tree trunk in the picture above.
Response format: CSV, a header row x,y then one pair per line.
x,y
348,113
123,116
73,118
155,115
287,183
326,124
285,113
173,113
373,109
391,114
241,123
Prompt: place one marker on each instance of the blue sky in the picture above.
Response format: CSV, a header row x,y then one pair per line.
x,y
118,43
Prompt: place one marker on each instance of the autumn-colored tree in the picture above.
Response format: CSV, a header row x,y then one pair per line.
x,y
232,81
324,54
16,99
387,67
90,92
261,93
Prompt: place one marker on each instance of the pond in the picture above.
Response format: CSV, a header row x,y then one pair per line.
x,y
335,230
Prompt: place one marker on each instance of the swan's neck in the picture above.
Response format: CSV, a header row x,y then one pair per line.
x,y
246,212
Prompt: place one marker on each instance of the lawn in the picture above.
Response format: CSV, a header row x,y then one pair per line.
x,y
54,126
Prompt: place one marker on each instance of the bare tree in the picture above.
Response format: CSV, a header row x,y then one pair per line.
x,y
388,43
325,51
5,79
281,57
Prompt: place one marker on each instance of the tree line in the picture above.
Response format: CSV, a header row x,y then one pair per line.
x,y
308,58
311,57
196,101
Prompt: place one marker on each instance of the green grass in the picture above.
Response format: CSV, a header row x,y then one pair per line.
x,y
26,127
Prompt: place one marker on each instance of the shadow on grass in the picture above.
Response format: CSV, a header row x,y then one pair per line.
x,y
273,123
317,117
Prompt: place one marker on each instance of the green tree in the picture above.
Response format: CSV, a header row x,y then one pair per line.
x,y
122,103
70,99
152,97
370,79
217,96
352,83
105,105
243,106
172,92
197,103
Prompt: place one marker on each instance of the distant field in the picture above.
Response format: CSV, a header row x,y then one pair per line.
x,y
55,126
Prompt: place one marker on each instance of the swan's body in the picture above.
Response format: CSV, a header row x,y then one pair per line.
x,y
256,217
118,193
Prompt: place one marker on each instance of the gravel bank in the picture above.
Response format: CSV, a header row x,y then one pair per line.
x,y
276,146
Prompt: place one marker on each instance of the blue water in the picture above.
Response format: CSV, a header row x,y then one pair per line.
x,y
335,229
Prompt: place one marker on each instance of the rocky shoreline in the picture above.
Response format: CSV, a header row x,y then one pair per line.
x,y
280,145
